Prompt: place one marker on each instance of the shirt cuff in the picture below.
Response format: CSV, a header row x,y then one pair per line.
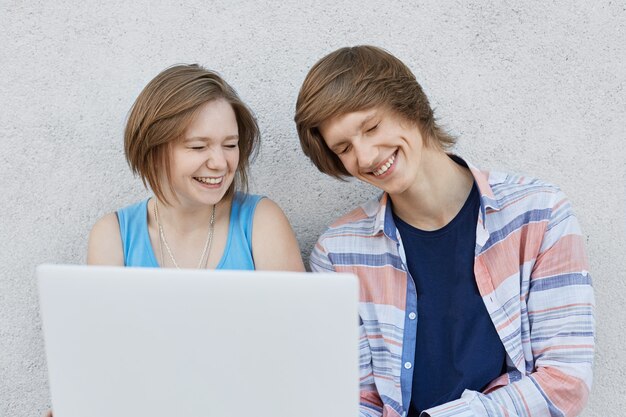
x,y
456,408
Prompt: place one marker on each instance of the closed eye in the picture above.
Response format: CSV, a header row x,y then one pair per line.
x,y
343,150
371,129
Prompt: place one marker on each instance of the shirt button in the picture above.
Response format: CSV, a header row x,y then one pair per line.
x,y
412,315
407,365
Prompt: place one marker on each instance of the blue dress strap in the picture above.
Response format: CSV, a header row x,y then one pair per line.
x,y
238,250
133,222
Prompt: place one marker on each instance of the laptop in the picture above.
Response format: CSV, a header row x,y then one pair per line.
x,y
124,342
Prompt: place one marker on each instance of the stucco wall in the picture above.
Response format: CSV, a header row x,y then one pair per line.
x,y
534,87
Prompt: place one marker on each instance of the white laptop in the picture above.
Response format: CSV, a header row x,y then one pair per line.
x,y
124,342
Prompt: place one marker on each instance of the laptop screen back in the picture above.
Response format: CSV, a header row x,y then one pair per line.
x,y
161,342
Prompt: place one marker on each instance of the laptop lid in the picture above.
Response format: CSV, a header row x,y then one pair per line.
x,y
163,342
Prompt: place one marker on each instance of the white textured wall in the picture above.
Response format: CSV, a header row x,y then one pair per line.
x,y
535,87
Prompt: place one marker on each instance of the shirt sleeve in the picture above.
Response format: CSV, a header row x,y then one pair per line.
x,y
370,404
560,307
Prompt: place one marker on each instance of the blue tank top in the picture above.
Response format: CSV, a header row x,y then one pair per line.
x,y
138,251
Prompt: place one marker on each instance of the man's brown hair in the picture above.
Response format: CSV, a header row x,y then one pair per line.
x,y
359,78
164,110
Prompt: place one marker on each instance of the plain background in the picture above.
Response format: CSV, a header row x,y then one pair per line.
x,y
534,87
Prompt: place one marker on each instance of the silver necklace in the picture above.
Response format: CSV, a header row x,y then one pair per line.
x,y
204,256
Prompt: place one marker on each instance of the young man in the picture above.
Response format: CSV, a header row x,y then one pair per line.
x,y
475,294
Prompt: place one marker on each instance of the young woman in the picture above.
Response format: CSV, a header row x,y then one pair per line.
x,y
476,299
190,139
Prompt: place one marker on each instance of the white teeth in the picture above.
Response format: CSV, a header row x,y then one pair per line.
x,y
209,180
386,166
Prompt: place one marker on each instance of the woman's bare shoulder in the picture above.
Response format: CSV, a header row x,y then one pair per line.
x,y
105,242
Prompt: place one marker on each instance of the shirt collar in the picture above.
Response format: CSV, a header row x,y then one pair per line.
x,y
384,218
484,180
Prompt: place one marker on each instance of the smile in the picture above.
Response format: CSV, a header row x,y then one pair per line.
x,y
385,166
209,180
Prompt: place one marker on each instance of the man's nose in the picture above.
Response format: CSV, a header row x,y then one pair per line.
x,y
366,156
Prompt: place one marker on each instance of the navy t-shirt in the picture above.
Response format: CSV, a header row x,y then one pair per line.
x,y
457,346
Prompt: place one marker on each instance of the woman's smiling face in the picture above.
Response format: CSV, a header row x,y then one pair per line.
x,y
204,162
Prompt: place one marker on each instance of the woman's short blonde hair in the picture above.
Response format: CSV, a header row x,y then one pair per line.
x,y
354,79
162,113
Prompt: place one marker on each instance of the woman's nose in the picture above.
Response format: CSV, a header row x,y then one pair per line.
x,y
216,160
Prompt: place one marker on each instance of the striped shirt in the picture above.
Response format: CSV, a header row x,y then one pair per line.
x,y
532,274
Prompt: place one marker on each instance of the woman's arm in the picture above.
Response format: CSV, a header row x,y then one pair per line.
x,y
105,243
104,248
274,245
